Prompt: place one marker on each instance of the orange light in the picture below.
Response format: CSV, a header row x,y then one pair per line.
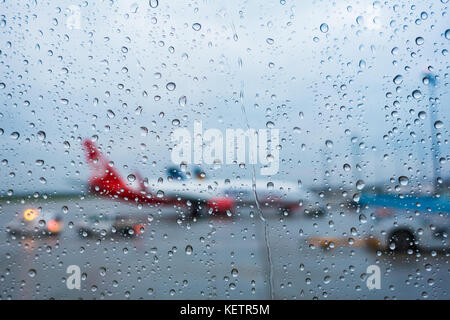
x,y
30,214
54,226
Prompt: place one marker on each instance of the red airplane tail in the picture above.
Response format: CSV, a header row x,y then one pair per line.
x,y
94,157
105,180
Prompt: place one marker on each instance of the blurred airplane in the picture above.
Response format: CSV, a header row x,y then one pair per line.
x,y
198,194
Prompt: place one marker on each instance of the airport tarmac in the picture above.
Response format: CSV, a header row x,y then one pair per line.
x,y
228,259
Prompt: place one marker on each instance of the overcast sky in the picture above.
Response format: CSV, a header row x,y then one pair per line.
x,y
317,71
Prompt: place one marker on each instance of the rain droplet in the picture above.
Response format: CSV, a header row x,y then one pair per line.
x,y
182,101
324,27
170,86
153,3
419,41
41,135
196,26
438,124
417,94
189,250
160,194
359,20
362,218
422,115
32,273
403,180
398,79
360,184
110,114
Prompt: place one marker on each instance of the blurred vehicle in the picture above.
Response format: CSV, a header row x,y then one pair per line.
x,y
104,225
199,195
409,223
129,225
36,222
100,225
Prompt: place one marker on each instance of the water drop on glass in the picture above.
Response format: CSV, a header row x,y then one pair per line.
x,y
153,3
398,79
360,184
417,94
403,180
324,27
182,101
438,124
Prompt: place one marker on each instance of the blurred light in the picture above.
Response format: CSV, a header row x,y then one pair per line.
x,y
54,226
30,214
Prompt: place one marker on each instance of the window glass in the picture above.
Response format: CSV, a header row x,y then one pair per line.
x,y
224,150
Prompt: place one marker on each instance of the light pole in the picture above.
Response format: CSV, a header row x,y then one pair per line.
x,y
433,118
